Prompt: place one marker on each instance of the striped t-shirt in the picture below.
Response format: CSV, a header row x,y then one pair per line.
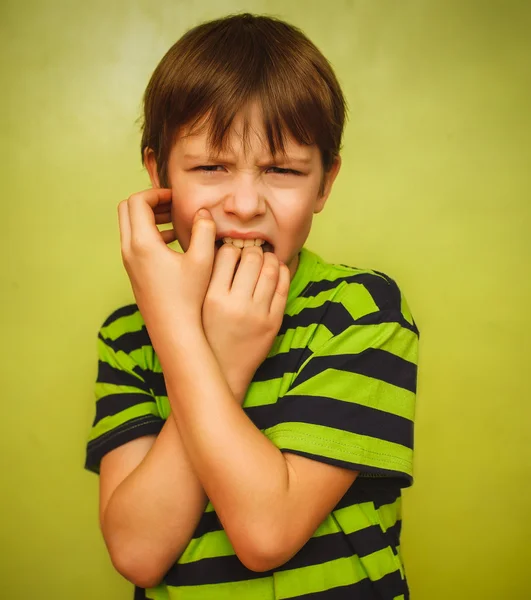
x,y
338,386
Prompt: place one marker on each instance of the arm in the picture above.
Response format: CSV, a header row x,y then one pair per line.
x,y
265,499
150,504
254,488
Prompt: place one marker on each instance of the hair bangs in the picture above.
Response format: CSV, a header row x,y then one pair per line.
x,y
220,68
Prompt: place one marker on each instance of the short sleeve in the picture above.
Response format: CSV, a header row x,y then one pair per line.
x,y
352,402
125,405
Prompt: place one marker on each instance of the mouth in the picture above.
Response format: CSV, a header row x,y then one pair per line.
x,y
266,246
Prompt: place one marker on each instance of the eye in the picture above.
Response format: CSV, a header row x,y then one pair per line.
x,y
280,171
208,168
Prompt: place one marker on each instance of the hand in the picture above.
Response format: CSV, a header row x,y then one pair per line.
x,y
241,317
169,286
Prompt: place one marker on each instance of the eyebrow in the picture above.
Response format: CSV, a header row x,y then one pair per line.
x,y
302,160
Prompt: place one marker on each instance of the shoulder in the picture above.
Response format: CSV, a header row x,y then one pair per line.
x,y
373,289
364,294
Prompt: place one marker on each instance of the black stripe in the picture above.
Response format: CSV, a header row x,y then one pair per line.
x,y
387,316
368,280
372,362
314,288
362,590
140,594
125,311
222,569
262,416
278,365
112,375
317,550
372,539
208,523
133,429
106,406
332,314
379,491
337,318
130,341
344,416
383,290
393,535
387,588
392,585
382,492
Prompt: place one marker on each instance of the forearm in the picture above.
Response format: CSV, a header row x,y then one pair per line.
x,y
245,476
152,514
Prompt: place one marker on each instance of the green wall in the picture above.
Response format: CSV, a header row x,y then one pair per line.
x,y
435,190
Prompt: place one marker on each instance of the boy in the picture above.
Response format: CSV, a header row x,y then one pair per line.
x,y
254,417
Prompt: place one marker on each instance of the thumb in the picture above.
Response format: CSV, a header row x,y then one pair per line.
x,y
203,239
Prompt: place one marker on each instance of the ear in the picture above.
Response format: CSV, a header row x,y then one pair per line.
x,y
150,162
329,179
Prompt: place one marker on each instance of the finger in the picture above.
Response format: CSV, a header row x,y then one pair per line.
x,y
224,266
267,283
124,225
168,235
203,238
280,298
142,217
162,218
248,272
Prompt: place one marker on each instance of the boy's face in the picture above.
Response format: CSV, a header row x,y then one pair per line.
x,y
245,189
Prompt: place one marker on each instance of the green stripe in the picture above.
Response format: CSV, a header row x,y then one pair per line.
x,y
360,516
391,337
382,563
145,357
357,299
341,445
358,389
316,578
210,545
312,302
164,406
389,514
311,336
109,423
128,324
263,588
108,389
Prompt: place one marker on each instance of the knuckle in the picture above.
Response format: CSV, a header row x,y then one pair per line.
x,y
135,198
139,245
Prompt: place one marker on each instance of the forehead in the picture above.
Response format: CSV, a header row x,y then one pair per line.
x,y
246,136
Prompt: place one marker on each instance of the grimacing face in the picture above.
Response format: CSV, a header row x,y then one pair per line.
x,y
245,189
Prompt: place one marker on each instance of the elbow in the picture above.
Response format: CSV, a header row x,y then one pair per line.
x,y
261,553
138,572
136,566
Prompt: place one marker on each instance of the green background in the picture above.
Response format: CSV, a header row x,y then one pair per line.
x,y
435,190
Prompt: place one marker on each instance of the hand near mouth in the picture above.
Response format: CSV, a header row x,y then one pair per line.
x,y
243,310
169,287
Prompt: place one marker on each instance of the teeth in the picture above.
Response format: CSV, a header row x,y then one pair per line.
x,y
243,243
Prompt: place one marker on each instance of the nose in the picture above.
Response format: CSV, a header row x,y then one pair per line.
x,y
245,200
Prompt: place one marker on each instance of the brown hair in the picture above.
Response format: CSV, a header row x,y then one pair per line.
x,y
215,69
